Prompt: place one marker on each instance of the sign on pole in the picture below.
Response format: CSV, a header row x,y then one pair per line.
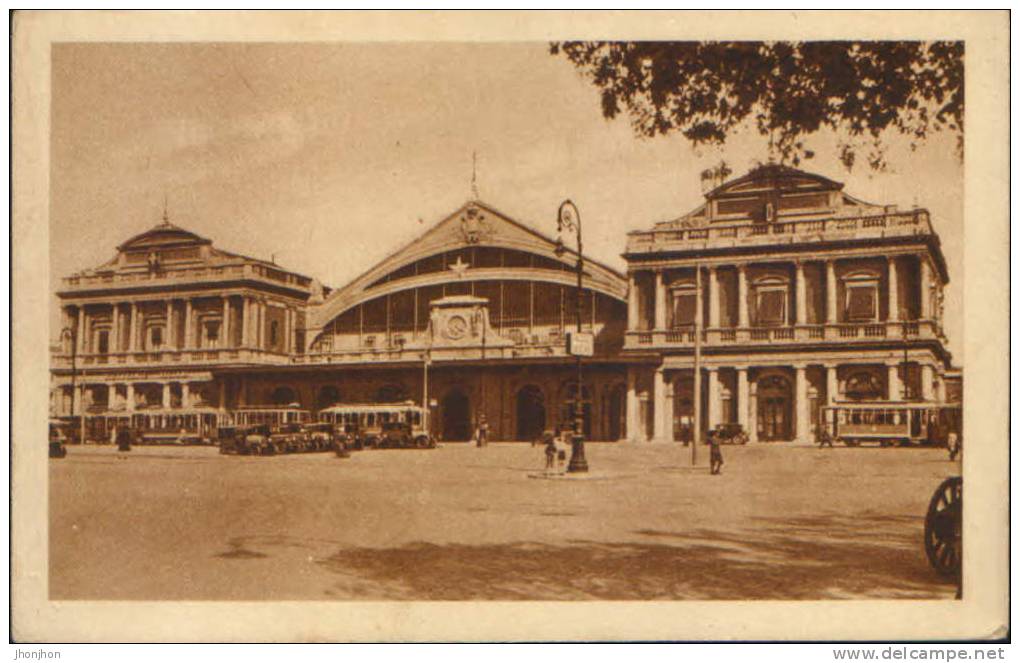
x,y
580,344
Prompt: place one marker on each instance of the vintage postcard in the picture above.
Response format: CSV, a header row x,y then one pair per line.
x,y
510,326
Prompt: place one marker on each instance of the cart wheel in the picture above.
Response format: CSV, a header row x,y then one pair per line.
x,y
422,442
943,528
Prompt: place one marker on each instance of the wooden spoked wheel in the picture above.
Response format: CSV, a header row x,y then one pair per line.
x,y
943,528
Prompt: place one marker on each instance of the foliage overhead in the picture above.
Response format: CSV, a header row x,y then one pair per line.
x,y
788,90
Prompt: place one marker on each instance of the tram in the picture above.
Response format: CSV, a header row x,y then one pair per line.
x,y
157,426
891,424
274,415
380,424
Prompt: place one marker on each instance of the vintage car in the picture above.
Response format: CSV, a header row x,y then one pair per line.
x,y
289,438
61,433
731,434
231,439
943,530
402,435
257,440
320,436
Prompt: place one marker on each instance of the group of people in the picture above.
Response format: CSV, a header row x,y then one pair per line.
x,y
555,442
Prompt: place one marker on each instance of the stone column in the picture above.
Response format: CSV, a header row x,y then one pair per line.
x,y
925,288
632,303
659,406
743,395
189,340
713,297
133,328
801,295
185,395
667,414
895,386
831,384
803,421
713,400
927,382
225,324
830,292
166,395
129,397
744,319
81,330
260,324
894,291
245,323
635,432
752,412
115,329
660,301
171,328
223,394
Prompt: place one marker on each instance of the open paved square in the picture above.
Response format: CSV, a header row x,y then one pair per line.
x,y
458,522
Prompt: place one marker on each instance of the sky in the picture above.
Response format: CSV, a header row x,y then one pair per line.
x,y
329,156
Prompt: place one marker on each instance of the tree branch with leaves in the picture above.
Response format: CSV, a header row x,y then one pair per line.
x,y
863,91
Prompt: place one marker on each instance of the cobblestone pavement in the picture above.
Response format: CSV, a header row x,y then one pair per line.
x,y
458,522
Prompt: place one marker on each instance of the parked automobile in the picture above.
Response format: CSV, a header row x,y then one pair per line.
x,y
731,434
320,436
288,439
257,440
401,435
231,439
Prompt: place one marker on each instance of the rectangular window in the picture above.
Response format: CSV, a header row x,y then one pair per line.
x,y
771,309
157,337
104,342
683,309
861,303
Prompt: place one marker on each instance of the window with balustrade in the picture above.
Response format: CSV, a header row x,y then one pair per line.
x,y
771,296
860,292
685,302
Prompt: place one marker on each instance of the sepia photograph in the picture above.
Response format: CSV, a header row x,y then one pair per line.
x,y
488,321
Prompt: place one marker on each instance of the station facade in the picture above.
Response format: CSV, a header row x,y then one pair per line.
x,y
807,296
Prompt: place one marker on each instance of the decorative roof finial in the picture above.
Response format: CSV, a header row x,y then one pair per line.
x,y
166,216
474,175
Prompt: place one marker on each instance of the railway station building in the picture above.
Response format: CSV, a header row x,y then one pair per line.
x,y
807,296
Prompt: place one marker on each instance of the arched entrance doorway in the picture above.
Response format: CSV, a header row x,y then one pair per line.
x,y
392,393
328,395
617,411
283,396
775,408
456,416
530,413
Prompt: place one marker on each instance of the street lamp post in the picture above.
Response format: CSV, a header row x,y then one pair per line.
x,y
569,219
71,334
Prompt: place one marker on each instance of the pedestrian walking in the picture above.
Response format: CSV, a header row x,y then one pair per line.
x,y
550,452
954,445
715,453
123,439
824,438
483,430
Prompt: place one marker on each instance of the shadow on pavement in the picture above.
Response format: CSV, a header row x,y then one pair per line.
x,y
797,558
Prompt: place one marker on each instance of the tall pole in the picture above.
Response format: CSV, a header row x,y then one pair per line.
x,y
569,218
697,364
74,367
425,392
